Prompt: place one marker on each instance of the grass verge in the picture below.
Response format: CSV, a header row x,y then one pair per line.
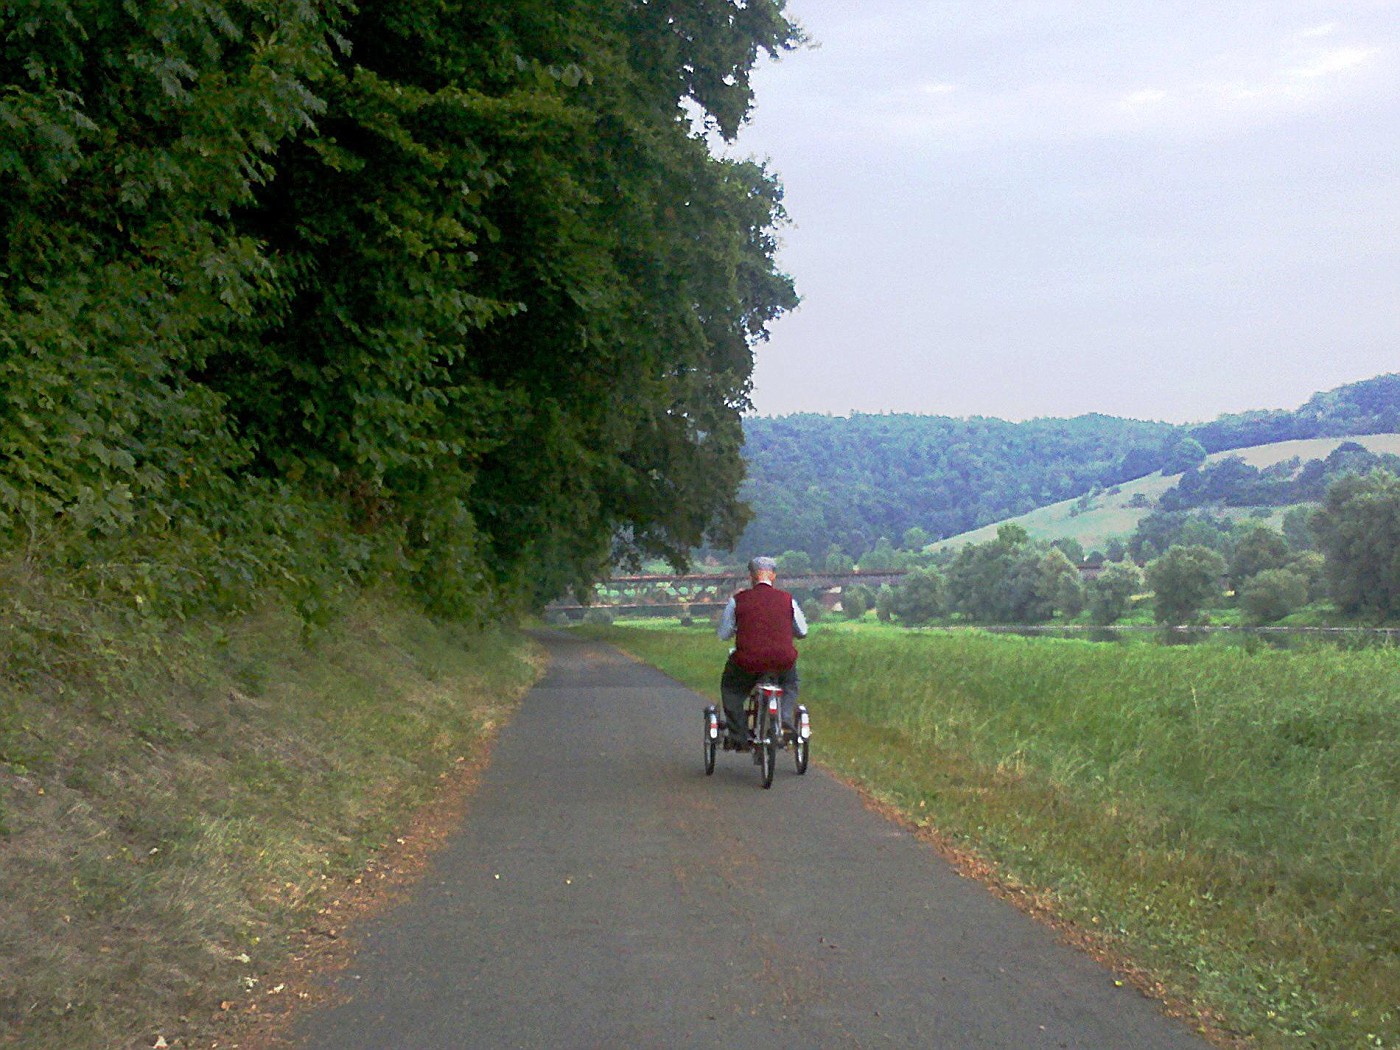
x,y
1227,821
173,812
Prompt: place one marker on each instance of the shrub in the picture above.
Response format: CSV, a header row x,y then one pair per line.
x,y
1186,580
1110,594
1059,583
884,603
1259,548
920,597
1358,531
1311,566
794,563
1272,594
854,601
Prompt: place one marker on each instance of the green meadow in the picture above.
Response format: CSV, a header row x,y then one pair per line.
x,y
1225,822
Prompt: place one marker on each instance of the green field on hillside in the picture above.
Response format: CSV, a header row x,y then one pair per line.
x,y
1110,515
1228,821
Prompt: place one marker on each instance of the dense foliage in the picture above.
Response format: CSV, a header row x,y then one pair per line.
x,y
1231,482
821,481
1111,591
1358,531
303,292
1185,580
1371,406
815,481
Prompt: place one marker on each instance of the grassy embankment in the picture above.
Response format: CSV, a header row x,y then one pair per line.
x,y
174,809
1228,821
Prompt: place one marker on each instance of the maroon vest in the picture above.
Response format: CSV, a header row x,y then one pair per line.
x,y
764,638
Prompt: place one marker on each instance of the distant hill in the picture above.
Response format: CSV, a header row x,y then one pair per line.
x,y
1371,406
1109,514
820,481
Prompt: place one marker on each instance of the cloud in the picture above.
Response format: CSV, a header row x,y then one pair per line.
x,y
1338,60
1142,97
1197,88
1059,73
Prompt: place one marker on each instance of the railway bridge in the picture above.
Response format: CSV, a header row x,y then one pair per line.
x,y
705,592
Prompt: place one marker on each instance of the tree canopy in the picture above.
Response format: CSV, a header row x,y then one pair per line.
x,y
1358,530
453,291
1186,579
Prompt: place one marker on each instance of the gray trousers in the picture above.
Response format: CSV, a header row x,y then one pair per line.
x,y
734,686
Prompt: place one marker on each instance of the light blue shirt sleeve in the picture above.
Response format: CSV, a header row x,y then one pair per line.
x,y
728,624
799,622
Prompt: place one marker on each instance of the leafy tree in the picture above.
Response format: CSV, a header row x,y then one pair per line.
x,y
1072,548
879,558
1186,454
919,598
838,560
1297,528
1012,535
1161,530
1358,531
297,293
999,582
1272,594
1257,548
1110,594
1311,566
1185,580
856,600
1060,584
884,603
915,539
794,563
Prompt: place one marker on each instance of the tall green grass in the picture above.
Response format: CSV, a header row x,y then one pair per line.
x,y
1228,820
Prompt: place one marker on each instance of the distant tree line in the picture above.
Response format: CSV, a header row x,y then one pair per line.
x,y
1371,406
1178,564
1231,482
815,481
303,295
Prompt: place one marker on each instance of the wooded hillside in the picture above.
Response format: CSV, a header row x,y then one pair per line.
x,y
817,481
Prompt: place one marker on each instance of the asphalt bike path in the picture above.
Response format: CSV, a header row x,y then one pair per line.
x,y
603,892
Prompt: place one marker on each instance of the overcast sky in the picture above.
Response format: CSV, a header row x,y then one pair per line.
x,y
1158,210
